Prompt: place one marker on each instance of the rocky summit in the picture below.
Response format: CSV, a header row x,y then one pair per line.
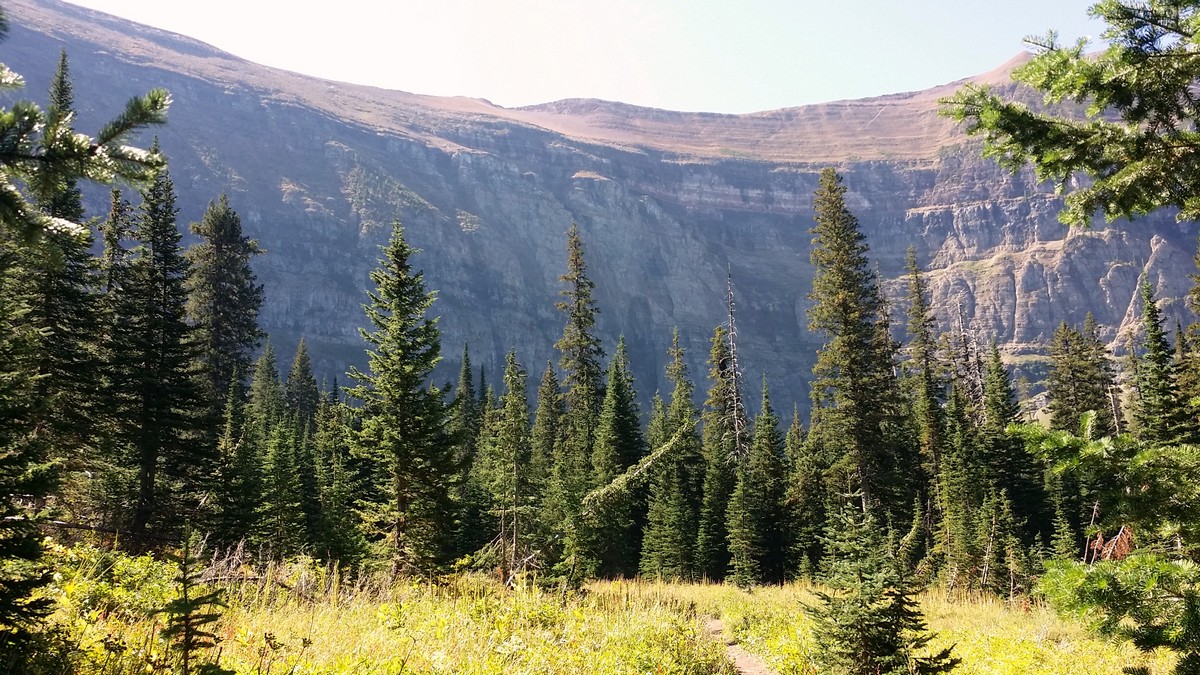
x,y
668,204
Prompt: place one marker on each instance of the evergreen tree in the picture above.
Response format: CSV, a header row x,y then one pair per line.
x,y
869,622
61,199
1080,379
282,514
163,409
853,384
676,487
239,491
403,419
612,542
1160,415
300,391
25,472
805,501
724,451
925,387
580,354
224,298
340,538
758,523
1008,468
503,463
547,431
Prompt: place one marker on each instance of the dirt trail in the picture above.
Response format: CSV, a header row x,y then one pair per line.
x,y
745,662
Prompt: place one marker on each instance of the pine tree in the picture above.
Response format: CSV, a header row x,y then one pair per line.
x,y
282,513
163,410
677,487
758,527
1160,415
239,490
224,298
403,419
504,455
613,545
25,472
869,622
724,450
1080,379
1008,467
853,384
547,432
580,355
300,390
925,387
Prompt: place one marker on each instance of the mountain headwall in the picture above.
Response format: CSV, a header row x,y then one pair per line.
x,y
667,202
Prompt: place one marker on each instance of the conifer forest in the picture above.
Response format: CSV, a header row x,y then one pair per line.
x,y
176,496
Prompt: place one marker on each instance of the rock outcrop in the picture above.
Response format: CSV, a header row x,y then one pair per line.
x,y
667,203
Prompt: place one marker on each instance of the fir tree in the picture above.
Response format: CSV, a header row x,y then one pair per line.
x,y
758,524
547,430
677,487
163,410
504,463
403,419
1080,379
224,298
1008,468
300,391
612,541
1160,415
239,491
282,513
25,472
869,622
925,387
805,501
722,458
580,354
853,385
61,199
340,538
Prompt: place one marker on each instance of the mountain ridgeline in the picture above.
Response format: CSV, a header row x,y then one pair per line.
x,y
667,203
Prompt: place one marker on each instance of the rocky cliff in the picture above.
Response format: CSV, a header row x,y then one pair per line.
x,y
666,201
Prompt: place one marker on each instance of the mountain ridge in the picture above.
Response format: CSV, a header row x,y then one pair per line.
x,y
319,170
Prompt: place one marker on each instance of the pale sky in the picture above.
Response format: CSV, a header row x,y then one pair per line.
x,y
728,56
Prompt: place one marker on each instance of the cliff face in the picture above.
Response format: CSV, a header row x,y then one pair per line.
x,y
667,203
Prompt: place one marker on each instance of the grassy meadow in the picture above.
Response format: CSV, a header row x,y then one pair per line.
x,y
302,618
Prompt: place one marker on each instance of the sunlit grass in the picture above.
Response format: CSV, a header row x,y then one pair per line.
x,y
301,618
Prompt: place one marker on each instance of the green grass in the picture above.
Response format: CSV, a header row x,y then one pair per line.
x,y
301,618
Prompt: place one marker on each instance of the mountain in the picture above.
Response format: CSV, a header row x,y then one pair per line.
x,y
667,202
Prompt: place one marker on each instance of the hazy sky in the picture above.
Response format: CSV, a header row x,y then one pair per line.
x,y
700,55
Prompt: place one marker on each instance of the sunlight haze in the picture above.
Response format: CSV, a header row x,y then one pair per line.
x,y
699,56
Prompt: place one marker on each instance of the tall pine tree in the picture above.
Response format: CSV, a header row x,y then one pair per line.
x,y
403,434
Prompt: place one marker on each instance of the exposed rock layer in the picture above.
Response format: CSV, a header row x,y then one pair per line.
x,y
667,202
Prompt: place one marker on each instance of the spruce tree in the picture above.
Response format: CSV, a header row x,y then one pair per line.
x,y
503,465
239,490
925,386
868,623
403,436
580,355
300,390
163,410
613,544
805,501
547,432
1160,415
758,523
853,385
676,487
340,537
61,199
224,298
25,470
724,451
